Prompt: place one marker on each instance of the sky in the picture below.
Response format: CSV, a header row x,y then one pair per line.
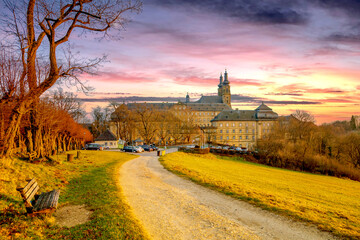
x,y
297,54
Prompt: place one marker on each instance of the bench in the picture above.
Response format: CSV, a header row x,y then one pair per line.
x,y
34,203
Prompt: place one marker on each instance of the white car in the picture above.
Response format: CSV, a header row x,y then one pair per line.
x,y
139,149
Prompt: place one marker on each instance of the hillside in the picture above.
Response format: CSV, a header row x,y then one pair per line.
x,y
328,202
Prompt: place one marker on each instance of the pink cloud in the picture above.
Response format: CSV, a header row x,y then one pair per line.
x,y
118,77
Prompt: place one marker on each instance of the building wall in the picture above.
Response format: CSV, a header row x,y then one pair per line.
x,y
109,143
199,118
241,133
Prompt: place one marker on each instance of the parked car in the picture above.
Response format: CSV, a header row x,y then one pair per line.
x,y
139,148
130,149
147,148
155,148
93,146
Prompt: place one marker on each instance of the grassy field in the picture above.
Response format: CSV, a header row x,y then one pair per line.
x,y
331,203
91,180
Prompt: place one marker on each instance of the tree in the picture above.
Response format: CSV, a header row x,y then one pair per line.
x,y
67,101
33,21
124,122
350,145
101,120
146,116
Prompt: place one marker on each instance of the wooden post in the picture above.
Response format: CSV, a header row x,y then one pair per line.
x,y
78,156
70,157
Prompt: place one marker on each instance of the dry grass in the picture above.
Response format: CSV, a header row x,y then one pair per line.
x,y
330,203
91,181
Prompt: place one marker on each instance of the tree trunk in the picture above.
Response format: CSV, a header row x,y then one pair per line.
x,y
13,128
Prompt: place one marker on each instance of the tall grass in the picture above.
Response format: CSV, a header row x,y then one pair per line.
x,y
330,203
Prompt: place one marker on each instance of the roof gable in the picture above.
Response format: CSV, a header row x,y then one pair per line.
x,y
106,136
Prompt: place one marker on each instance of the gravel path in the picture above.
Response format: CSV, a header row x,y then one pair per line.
x,y
170,207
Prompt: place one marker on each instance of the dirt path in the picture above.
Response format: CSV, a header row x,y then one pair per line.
x,y
170,207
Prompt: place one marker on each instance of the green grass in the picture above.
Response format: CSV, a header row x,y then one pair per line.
x,y
330,203
91,181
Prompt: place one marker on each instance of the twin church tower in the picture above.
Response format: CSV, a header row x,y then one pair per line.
x,y
223,97
224,89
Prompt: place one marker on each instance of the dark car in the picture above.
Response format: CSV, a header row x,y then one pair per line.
x,y
130,149
93,146
147,148
154,147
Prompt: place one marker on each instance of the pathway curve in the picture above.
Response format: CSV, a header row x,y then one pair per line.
x,y
170,207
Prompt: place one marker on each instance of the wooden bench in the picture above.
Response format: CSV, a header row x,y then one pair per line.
x,y
34,203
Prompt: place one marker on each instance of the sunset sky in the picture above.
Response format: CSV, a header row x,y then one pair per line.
x,y
290,54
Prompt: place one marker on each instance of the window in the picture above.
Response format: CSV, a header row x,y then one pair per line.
x,y
233,124
240,124
227,124
253,137
227,130
208,114
234,137
240,137
200,114
196,113
253,131
240,131
227,138
220,124
221,137
247,130
247,137
214,137
212,114
220,131
233,130
253,124
247,124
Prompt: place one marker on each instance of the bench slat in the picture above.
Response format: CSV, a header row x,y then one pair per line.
x,y
39,205
39,201
28,185
55,199
30,195
27,191
47,200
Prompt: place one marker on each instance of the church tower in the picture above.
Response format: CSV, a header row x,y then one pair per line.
x,y
220,85
226,95
187,98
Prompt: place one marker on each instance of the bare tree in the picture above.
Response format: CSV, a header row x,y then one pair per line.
x,y
68,102
146,117
31,22
101,120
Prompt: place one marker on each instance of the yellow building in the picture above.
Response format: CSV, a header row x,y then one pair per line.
x,y
215,118
243,128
